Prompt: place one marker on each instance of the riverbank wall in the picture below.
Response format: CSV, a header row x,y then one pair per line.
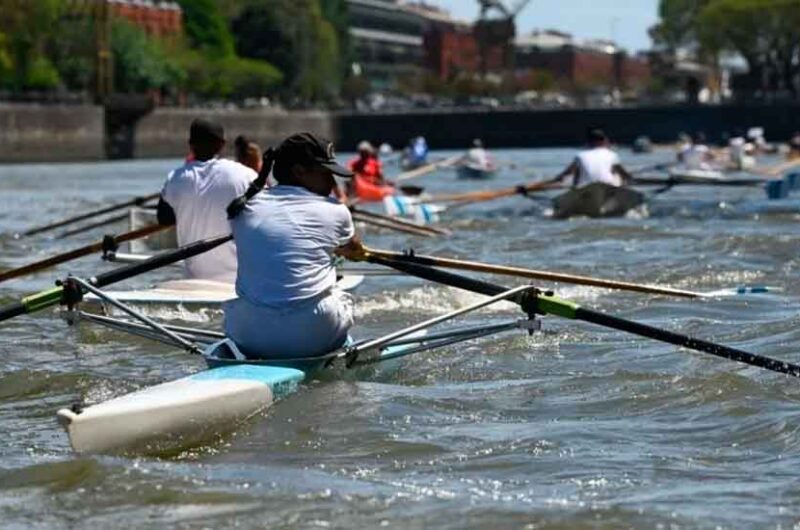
x,y
39,133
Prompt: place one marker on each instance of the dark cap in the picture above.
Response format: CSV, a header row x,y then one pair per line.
x,y
305,148
203,130
596,135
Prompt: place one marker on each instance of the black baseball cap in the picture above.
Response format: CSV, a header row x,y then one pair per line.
x,y
306,148
203,130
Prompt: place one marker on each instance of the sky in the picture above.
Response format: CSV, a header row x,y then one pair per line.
x,y
624,21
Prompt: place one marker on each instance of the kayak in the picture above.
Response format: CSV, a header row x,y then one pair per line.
x,y
367,191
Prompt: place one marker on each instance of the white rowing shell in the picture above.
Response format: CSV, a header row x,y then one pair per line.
x,y
180,413
196,292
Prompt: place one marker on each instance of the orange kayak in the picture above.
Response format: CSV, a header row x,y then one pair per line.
x,y
367,191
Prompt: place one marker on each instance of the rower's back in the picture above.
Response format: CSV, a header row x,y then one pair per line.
x,y
597,165
199,192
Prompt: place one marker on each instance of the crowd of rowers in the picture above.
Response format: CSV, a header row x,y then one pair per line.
x,y
289,218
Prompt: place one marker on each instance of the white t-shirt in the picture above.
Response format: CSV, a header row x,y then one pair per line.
x,y
597,165
478,158
200,193
695,156
285,239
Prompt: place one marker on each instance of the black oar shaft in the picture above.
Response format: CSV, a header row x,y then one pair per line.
x,y
160,260
685,341
555,306
51,297
92,226
133,202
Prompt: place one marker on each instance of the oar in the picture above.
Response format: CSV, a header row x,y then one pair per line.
x,y
777,169
427,168
51,297
490,195
551,305
138,201
79,252
367,216
690,181
531,274
393,226
85,228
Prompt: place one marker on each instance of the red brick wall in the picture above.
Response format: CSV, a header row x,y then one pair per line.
x,y
156,20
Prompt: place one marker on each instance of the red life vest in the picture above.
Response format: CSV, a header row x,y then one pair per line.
x,y
369,169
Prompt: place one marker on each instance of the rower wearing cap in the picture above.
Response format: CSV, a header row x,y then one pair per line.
x,y
697,155
596,164
286,235
195,196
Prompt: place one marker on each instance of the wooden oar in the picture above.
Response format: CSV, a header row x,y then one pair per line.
x,y
51,297
85,228
367,216
138,201
79,252
551,305
490,195
536,274
776,170
427,168
393,226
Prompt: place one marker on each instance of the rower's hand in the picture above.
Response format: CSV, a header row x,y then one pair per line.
x,y
353,250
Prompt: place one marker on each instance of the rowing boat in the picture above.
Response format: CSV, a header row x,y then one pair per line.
x,y
183,413
597,200
472,172
189,292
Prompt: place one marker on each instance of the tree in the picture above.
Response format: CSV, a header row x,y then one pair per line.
x,y
140,64
26,26
206,28
765,33
296,37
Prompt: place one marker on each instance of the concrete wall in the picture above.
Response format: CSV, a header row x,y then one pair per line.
x,y
65,133
164,133
44,133
531,128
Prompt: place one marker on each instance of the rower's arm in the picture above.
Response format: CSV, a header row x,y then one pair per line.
x,y
624,173
165,213
571,169
353,250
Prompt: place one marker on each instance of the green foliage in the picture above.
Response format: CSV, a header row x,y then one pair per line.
x,y
766,33
140,64
231,77
301,39
27,26
206,28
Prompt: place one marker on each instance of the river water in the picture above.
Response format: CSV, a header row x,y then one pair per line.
x,y
574,427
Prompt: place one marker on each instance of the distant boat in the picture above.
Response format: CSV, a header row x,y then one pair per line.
x,y
596,200
468,171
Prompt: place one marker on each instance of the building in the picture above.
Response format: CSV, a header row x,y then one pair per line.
x,y
387,40
580,64
159,19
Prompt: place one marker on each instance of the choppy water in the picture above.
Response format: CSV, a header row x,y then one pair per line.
x,y
576,427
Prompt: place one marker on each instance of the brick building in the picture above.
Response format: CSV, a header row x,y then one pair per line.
x,y
159,19
580,63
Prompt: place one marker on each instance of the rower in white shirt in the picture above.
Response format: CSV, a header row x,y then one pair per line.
x,y
697,155
596,164
741,151
286,236
195,196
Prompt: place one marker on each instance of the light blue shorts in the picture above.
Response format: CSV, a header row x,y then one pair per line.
x,y
304,329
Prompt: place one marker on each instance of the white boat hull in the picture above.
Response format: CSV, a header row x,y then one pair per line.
x,y
206,293
178,414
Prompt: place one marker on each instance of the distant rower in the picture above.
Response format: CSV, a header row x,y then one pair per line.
x,y
195,197
596,164
741,152
696,155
